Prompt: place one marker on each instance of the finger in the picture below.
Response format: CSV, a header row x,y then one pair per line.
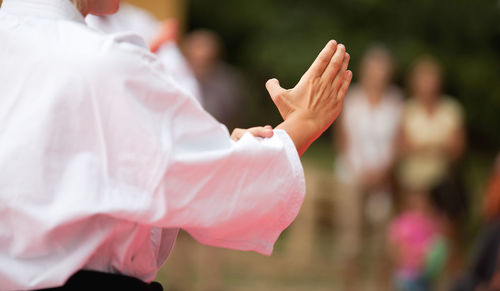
x,y
340,76
261,132
277,94
237,134
335,64
347,59
274,88
320,64
345,85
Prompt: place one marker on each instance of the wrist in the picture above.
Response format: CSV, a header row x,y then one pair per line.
x,y
308,122
302,128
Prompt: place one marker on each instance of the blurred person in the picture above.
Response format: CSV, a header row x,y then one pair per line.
x,y
160,36
417,245
483,270
432,143
422,238
107,156
221,84
367,137
433,134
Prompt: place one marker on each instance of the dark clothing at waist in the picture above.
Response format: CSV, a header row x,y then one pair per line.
x,y
92,280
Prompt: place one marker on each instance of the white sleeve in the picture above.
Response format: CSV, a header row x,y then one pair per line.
x,y
171,164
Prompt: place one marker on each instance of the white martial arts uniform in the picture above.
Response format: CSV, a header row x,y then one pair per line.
x,y
101,152
130,18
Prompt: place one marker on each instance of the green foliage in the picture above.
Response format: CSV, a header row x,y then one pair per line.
x,y
280,39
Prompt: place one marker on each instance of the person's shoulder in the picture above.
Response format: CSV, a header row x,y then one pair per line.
x,y
452,107
134,12
116,54
120,66
451,103
126,47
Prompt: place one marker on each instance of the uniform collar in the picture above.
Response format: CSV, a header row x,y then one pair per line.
x,y
57,9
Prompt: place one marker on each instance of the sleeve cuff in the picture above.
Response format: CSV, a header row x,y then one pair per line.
x,y
295,191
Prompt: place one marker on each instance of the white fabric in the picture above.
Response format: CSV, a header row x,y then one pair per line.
x,y
101,152
130,18
370,131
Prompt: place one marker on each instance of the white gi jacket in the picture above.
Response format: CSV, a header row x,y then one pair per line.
x,y
130,18
101,152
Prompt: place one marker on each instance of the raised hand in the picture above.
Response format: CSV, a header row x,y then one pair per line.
x,y
316,101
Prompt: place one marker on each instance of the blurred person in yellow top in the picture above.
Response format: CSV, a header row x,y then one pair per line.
x,y
432,143
433,135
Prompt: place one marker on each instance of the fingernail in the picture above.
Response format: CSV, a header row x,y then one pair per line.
x,y
333,42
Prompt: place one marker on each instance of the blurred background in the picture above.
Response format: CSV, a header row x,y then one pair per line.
x,y
403,192
396,190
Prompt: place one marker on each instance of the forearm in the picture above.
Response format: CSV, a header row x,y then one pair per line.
x,y
246,212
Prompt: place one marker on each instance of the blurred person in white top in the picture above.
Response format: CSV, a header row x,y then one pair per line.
x,y
367,139
102,151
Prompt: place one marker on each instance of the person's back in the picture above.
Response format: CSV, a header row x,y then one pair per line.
x,y
104,153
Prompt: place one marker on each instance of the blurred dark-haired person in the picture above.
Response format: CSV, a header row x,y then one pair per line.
x,y
483,271
366,140
222,87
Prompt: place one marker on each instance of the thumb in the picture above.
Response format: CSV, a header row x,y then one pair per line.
x,y
274,88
